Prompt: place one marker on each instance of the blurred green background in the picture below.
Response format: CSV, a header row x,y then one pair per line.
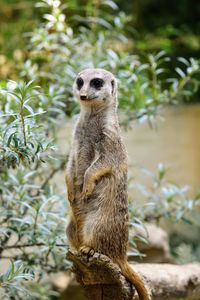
x,y
173,26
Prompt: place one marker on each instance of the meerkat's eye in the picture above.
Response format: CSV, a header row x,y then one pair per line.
x,y
79,83
97,83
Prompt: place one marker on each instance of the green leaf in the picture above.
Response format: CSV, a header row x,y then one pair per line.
x,y
29,108
180,72
10,139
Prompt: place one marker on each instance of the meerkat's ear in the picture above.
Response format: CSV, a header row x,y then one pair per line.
x,y
114,87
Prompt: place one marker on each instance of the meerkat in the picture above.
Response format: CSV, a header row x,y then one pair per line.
x,y
96,175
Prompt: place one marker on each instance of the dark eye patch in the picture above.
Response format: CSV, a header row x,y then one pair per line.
x,y
97,83
79,83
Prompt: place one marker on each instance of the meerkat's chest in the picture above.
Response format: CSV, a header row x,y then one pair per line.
x,y
88,136
85,146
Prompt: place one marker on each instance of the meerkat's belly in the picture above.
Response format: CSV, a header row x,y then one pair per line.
x,y
105,226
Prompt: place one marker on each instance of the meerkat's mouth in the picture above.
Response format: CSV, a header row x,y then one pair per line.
x,y
85,98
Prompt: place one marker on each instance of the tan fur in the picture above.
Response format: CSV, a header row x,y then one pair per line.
x,y
97,177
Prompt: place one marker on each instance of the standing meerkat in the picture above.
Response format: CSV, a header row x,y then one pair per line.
x,y
96,175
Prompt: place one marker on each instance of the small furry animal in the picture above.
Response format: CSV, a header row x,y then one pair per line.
x,y
96,175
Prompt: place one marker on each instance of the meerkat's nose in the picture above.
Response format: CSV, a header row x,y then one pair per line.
x,y
83,97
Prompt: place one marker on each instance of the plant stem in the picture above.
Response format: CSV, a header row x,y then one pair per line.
x,y
23,123
29,245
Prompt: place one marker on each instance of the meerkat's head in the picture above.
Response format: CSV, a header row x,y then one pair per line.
x,y
96,87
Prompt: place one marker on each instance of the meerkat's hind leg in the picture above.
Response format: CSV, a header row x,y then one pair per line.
x,y
72,235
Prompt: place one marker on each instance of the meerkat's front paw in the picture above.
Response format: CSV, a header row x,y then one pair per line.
x,y
70,189
71,196
87,250
87,190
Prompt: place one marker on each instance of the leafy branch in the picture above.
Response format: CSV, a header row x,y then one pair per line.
x,y
21,140
19,246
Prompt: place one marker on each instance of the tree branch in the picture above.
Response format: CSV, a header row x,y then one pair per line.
x,y
100,277
172,282
19,246
53,172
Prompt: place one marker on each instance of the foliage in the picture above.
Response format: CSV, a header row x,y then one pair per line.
x,y
21,138
185,249
58,52
155,26
33,213
33,218
163,200
11,280
152,26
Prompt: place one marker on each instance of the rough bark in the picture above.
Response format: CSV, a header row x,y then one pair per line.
x,y
102,280
172,282
100,277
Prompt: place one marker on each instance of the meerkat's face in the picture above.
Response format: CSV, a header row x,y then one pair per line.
x,y
95,86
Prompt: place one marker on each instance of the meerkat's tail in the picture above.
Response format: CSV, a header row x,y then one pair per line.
x,y
136,280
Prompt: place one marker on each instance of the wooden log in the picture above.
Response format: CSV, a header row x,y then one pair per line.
x,y
172,282
102,279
